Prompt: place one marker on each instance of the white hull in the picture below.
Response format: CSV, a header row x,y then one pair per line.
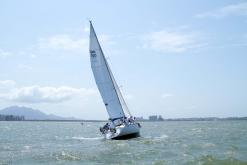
x,y
124,131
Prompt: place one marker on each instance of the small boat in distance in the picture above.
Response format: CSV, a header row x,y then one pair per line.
x,y
122,124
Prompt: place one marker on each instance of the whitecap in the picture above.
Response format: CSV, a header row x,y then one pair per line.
x,y
67,156
7,148
208,145
164,136
27,147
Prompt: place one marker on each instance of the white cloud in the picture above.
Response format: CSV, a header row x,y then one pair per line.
x,y
4,54
106,39
38,94
171,42
33,56
166,95
65,42
70,43
24,67
86,29
7,83
234,9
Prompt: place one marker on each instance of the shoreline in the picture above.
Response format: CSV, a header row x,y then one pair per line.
x,y
175,119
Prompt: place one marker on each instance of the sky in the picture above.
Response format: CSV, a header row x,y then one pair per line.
x,y
171,58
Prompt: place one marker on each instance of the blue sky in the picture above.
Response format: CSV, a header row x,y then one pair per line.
x,y
174,58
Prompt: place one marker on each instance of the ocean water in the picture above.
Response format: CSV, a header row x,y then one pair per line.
x,y
168,143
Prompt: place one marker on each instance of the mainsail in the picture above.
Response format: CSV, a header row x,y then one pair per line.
x,y
109,90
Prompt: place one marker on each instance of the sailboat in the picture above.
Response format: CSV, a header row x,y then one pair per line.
x,y
121,124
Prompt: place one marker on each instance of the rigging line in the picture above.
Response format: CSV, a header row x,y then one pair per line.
x,y
122,99
108,59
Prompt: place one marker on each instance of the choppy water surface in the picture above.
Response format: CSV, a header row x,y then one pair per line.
x,y
170,143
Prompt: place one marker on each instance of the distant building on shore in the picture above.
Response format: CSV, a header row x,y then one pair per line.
x,y
11,118
153,118
156,118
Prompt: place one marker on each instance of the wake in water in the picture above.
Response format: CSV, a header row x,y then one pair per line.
x,y
163,136
87,138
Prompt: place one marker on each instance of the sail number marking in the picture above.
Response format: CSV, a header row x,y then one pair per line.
x,y
93,53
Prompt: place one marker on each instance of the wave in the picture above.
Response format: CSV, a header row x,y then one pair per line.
x,y
27,147
211,160
152,139
164,136
67,156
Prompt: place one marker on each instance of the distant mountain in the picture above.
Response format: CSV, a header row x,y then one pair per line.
x,y
31,114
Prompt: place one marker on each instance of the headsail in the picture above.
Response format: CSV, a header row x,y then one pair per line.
x,y
110,93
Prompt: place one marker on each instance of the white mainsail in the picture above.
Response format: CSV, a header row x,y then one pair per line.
x,y
109,90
